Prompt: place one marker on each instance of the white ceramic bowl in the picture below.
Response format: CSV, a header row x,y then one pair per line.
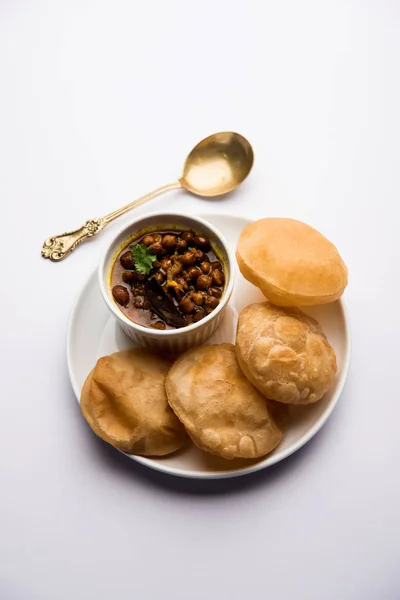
x,y
170,340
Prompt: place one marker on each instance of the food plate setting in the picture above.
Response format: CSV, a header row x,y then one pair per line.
x,y
226,420
208,346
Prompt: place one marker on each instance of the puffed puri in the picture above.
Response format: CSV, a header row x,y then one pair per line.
x,y
292,263
221,410
284,353
124,402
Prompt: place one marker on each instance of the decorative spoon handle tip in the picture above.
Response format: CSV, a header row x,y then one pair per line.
x,y
58,247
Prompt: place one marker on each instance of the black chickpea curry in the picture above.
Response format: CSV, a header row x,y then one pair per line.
x,y
167,280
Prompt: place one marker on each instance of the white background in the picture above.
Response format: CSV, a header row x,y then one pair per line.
x,y
99,102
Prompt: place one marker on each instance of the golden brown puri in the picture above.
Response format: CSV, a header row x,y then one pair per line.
x,y
284,353
124,402
220,409
292,263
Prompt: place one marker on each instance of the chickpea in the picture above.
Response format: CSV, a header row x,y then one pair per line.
x,y
210,303
157,238
156,248
217,277
213,291
185,275
194,272
126,260
187,236
148,240
188,259
138,276
197,298
127,276
159,325
181,246
205,267
182,282
203,282
200,256
186,305
165,263
216,265
120,294
169,242
202,242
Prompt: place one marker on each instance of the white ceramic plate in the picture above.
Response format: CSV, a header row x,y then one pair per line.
x,y
93,333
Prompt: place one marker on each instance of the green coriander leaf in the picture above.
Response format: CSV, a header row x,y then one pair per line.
x,y
143,258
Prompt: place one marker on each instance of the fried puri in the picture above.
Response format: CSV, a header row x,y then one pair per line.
x,y
220,409
292,263
284,353
124,402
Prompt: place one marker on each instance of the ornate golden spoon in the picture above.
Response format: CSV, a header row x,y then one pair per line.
x,y
217,165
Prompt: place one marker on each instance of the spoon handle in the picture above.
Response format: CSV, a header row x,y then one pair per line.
x,y
58,247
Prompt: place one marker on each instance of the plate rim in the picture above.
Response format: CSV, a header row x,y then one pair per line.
x,y
268,461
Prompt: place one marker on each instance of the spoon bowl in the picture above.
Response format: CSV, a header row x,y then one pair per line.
x,y
217,165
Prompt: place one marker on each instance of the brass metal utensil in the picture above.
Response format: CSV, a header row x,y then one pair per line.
x,y
217,165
